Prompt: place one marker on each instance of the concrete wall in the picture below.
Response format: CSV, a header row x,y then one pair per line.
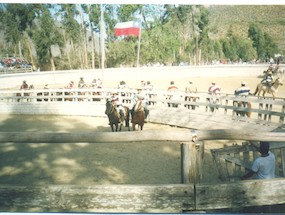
x,y
8,81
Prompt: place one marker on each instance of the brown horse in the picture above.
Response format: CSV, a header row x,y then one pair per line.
x,y
244,105
114,116
138,115
273,89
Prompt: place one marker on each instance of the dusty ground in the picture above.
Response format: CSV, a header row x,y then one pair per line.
x,y
112,163
89,163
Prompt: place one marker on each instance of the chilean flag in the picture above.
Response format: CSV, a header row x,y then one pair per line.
x,y
127,28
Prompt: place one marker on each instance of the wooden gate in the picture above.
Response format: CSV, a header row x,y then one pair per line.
x,y
233,161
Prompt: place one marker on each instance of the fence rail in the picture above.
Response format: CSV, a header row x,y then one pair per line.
x,y
261,110
7,70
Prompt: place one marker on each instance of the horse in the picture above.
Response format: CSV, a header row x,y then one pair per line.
x,y
138,115
244,105
114,116
273,89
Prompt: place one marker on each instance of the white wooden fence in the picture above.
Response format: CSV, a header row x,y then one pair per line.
x,y
91,102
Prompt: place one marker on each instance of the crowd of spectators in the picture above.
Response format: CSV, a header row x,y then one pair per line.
x,y
14,63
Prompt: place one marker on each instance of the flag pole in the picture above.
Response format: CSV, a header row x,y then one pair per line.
x,y
102,41
139,46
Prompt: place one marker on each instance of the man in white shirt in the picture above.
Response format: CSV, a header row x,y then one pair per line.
x,y
264,166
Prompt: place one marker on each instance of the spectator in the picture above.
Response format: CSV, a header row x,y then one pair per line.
x,y
24,86
123,86
264,166
99,83
148,86
46,87
81,83
190,88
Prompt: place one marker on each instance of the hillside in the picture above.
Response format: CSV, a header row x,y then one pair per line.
x,y
270,18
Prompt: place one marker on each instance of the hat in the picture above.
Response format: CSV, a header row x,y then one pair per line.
x,y
190,82
269,73
139,88
213,82
243,83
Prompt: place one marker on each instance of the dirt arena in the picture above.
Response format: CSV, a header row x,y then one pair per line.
x,y
112,163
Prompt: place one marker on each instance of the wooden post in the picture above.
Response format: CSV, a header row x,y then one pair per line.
x,y
191,160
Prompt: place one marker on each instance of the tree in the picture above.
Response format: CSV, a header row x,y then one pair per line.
x,y
262,42
16,22
45,35
71,34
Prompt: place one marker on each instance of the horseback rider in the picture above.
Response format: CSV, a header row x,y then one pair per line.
x,y
243,90
140,95
214,89
268,79
115,99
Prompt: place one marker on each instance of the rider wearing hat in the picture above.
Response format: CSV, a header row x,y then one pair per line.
x,y
268,79
243,90
115,99
214,89
172,87
140,95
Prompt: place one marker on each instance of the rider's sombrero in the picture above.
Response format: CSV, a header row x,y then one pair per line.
x,y
243,83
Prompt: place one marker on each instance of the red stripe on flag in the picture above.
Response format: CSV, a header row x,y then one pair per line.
x,y
127,31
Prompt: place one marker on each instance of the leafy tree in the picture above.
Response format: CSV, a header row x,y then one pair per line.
x,y
71,35
16,21
45,35
262,42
